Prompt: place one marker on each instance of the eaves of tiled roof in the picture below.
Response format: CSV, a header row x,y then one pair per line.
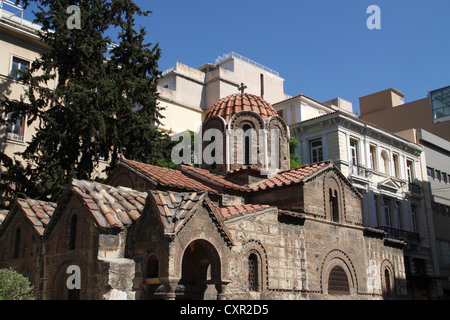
x,y
293,176
176,208
38,213
211,178
165,176
110,207
236,210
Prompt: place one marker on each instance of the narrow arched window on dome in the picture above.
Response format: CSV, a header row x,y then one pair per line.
x,y
247,148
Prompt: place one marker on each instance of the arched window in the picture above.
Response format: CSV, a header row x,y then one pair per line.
x,y
385,162
73,232
253,267
334,205
16,244
387,282
338,282
152,267
247,149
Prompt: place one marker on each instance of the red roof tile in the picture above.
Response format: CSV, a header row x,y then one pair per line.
x,y
291,176
167,177
110,206
38,212
207,176
232,104
241,209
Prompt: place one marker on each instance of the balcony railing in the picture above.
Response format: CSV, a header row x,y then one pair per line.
x,y
398,234
360,171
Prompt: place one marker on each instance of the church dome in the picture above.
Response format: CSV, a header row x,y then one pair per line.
x,y
228,106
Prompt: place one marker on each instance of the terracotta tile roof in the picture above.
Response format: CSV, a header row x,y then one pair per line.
x,y
207,176
167,177
38,212
228,106
292,176
241,209
110,206
175,208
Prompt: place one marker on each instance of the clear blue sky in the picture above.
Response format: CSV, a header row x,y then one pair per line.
x,y
321,48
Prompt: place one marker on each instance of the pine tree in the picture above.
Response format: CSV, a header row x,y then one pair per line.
x,y
104,105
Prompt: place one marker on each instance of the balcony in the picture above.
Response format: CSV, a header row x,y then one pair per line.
x,y
414,188
14,137
398,234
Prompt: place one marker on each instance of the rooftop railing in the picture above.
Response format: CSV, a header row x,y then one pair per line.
x,y
232,54
11,5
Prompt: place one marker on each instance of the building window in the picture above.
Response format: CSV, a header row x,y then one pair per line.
x,y
414,218
152,267
17,66
334,205
387,212
16,244
14,128
316,150
354,152
253,270
430,172
396,165
385,162
440,102
438,175
338,282
73,232
247,144
444,177
397,214
444,253
387,282
410,171
372,157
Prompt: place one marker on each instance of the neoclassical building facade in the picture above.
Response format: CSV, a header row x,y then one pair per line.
x,y
230,231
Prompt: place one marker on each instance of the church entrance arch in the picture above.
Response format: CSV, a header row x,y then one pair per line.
x,y
201,270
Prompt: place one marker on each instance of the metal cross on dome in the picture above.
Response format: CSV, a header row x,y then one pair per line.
x,y
242,87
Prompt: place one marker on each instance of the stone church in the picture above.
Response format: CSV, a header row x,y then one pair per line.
x,y
220,231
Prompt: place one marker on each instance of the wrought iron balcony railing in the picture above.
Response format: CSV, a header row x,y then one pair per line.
x,y
398,234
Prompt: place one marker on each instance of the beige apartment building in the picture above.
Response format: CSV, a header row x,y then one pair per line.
x,y
426,122
186,93
387,170
20,46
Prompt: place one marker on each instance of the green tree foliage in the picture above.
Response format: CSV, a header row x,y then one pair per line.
x,y
14,286
104,105
294,157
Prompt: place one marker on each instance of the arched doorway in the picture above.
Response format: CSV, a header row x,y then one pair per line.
x,y
201,270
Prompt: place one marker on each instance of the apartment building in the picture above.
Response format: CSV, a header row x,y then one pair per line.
x,y
387,170
389,110
186,93
20,46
